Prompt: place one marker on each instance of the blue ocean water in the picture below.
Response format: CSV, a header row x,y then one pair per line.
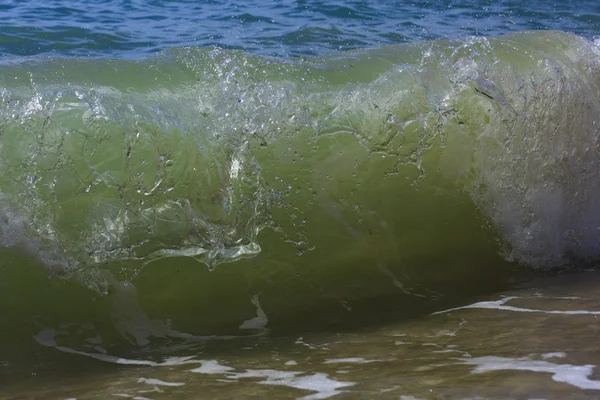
x,y
135,28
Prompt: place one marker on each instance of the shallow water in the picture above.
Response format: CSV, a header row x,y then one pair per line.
x,y
535,341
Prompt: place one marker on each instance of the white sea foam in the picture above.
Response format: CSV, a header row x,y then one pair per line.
x,y
499,305
212,367
349,360
258,322
151,381
576,375
554,355
320,383
301,341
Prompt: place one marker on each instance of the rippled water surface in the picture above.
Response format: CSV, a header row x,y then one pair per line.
x,y
535,341
285,29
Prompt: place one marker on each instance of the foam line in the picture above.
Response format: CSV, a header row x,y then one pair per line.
x,y
576,375
499,305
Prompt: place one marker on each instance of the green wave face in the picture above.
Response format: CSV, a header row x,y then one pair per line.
x,y
391,157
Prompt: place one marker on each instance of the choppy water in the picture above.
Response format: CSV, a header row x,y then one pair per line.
x,y
289,29
299,200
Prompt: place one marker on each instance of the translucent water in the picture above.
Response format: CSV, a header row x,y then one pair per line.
x,y
299,200
512,344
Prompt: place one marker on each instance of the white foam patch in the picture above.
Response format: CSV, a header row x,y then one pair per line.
x,y
447,351
554,355
576,375
385,390
291,362
235,168
258,322
320,383
349,360
158,382
499,305
212,367
301,341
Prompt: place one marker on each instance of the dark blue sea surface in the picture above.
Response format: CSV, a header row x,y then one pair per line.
x,y
135,28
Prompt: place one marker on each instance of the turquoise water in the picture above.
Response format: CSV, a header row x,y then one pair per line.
x,y
195,194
